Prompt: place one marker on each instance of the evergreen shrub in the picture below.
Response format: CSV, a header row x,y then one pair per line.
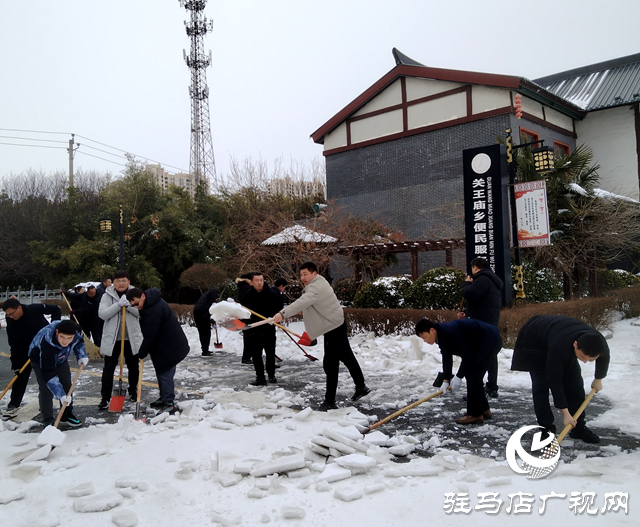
x,y
438,288
389,292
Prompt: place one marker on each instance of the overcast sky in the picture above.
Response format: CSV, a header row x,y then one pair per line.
x,y
112,71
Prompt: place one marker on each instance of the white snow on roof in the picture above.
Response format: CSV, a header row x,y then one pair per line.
x,y
297,234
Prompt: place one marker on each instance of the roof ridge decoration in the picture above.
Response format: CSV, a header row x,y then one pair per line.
x,y
403,60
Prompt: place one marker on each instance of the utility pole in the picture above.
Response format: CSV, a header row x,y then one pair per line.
x,y
71,151
202,165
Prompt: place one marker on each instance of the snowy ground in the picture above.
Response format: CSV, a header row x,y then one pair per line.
x,y
240,456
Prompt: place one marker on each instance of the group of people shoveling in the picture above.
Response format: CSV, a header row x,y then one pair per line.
x,y
139,323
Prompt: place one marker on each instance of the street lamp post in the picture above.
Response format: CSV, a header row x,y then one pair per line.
x,y
105,226
543,162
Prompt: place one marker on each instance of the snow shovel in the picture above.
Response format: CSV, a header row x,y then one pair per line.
x,y
403,410
579,411
139,393
217,344
304,339
92,350
15,378
310,357
117,401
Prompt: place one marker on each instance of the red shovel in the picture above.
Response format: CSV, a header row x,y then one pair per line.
x,y
305,340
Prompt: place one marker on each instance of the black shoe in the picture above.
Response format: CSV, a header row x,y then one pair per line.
x,y
491,391
133,396
104,404
47,422
278,365
247,361
272,379
10,412
70,419
170,408
158,403
327,406
585,434
260,381
207,353
361,392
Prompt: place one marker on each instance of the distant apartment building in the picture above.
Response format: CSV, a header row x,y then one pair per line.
x,y
165,179
296,189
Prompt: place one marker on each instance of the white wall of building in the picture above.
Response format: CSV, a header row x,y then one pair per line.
x,y
611,134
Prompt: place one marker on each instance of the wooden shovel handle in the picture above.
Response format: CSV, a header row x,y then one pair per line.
x,y
64,405
403,410
275,324
15,378
124,318
579,411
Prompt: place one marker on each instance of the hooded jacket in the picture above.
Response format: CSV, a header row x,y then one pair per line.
x,y
164,339
320,308
545,345
49,354
111,313
484,297
20,332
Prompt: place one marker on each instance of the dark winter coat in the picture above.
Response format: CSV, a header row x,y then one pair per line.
x,y
47,352
471,340
21,332
164,339
75,299
87,313
201,309
545,345
266,302
483,296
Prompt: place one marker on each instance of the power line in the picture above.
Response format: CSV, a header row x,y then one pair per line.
x,y
107,160
128,152
35,146
32,139
33,131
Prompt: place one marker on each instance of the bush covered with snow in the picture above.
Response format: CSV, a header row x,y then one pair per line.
x,y
610,279
389,292
438,288
540,285
345,289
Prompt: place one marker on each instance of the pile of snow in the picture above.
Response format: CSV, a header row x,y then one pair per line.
x,y
225,310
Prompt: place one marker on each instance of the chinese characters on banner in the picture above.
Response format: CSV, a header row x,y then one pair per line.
x,y
533,214
523,502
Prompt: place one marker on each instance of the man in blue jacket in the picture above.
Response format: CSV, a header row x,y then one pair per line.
x,y
477,344
163,340
23,323
49,353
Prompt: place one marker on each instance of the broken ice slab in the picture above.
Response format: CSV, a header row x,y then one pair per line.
x,y
97,502
84,489
333,473
336,436
357,463
349,494
284,464
329,443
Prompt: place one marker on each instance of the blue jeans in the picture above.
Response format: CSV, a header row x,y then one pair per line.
x,y
166,385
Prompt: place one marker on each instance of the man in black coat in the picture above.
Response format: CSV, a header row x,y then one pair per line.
x,y
87,315
244,285
202,318
549,347
483,292
476,343
263,300
163,340
23,323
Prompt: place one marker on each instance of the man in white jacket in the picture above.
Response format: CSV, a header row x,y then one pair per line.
x,y
323,315
110,310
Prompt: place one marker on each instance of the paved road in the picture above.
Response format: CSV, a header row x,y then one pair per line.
x,y
435,418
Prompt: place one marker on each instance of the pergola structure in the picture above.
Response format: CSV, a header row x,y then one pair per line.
x,y
412,247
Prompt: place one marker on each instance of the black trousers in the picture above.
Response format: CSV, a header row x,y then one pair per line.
x,y
45,396
203,324
573,385
255,343
476,397
336,350
20,386
492,373
112,362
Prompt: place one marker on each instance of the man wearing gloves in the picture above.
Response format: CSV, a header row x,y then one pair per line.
x,y
164,341
323,315
110,310
49,354
549,348
23,323
476,343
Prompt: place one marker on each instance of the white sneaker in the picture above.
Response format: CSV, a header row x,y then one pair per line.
x,y
10,411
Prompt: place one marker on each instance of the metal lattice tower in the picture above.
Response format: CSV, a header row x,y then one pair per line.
x,y
202,165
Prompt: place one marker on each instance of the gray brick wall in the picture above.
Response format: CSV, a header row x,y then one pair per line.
x,y
414,184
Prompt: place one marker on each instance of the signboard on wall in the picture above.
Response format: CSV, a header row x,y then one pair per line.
x,y
486,210
532,212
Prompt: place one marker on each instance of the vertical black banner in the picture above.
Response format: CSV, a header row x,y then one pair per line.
x,y
486,210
